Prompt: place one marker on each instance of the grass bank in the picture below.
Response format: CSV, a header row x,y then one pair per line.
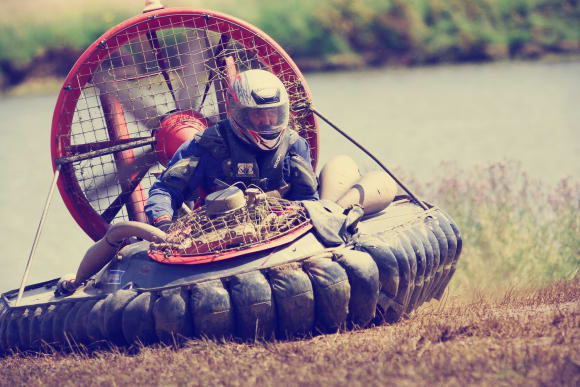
x,y
529,337
511,315
516,231
325,34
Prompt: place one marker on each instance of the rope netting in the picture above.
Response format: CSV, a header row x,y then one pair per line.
x,y
138,76
260,221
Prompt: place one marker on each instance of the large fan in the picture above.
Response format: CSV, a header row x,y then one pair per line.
x,y
142,89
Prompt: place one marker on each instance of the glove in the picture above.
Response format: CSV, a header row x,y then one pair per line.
x,y
65,286
163,223
303,182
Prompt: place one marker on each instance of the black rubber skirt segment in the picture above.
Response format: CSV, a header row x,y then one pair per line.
x,y
379,277
331,293
363,277
172,316
294,299
138,321
254,309
212,311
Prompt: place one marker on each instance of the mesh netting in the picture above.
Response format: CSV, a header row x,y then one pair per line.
x,y
139,75
199,233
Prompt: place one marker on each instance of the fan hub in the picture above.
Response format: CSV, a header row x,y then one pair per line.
x,y
175,130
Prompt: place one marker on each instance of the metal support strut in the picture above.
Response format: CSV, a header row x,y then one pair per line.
x,y
37,236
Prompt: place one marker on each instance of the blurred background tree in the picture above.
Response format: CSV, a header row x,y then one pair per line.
x,y
43,38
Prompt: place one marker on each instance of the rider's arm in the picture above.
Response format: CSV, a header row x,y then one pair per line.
x,y
168,193
303,181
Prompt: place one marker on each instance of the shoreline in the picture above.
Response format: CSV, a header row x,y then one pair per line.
x,y
37,84
328,35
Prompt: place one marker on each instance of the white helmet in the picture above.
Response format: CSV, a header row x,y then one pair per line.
x,y
258,108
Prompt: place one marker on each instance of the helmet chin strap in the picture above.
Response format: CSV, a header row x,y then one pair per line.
x,y
259,140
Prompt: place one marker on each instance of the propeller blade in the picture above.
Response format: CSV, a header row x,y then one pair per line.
x,y
161,59
111,179
142,95
111,212
195,58
104,147
129,185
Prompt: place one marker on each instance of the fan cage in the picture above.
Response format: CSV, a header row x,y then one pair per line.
x,y
132,78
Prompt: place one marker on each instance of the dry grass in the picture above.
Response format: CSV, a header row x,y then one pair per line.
x,y
526,337
517,230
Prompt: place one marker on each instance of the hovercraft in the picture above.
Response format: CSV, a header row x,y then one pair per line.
x,y
242,264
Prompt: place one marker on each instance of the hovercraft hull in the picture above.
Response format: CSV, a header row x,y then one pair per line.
x,y
399,259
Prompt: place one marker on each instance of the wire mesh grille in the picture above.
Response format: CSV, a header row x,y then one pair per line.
x,y
148,71
200,233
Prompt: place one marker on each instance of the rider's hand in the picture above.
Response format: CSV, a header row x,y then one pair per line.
x,y
163,223
163,226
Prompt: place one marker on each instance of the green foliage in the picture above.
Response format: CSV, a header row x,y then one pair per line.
x,y
377,31
298,27
20,42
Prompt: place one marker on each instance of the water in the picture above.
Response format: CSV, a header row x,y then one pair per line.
x,y
471,114
408,118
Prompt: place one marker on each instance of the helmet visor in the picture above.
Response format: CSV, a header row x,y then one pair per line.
x,y
266,121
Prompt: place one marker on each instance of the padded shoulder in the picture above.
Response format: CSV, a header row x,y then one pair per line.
x,y
212,140
177,175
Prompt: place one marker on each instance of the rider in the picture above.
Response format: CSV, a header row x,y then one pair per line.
x,y
253,145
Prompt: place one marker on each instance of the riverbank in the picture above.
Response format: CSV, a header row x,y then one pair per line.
x,y
320,36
